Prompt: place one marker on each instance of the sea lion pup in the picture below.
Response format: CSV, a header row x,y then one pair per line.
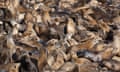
x,y
27,65
34,57
41,59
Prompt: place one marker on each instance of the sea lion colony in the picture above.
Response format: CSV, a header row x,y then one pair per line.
x,y
59,35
